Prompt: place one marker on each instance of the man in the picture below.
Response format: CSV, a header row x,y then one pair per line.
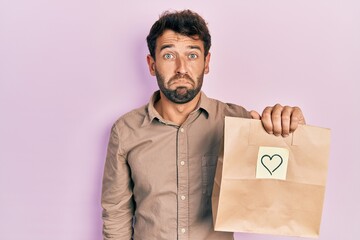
x,y
161,157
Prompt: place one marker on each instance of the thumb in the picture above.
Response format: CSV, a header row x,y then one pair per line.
x,y
255,115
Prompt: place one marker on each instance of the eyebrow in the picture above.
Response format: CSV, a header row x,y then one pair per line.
x,y
195,47
172,45
166,46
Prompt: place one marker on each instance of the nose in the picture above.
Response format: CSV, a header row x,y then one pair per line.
x,y
181,67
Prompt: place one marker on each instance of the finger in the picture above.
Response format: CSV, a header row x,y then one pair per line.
x,y
285,120
276,119
255,115
266,120
297,118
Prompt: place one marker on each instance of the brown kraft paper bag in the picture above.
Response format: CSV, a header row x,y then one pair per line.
x,y
267,184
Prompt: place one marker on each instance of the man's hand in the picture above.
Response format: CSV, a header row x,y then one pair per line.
x,y
279,120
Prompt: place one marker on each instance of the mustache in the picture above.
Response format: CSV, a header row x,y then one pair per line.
x,y
179,76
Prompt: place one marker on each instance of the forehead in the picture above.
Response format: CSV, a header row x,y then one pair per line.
x,y
170,37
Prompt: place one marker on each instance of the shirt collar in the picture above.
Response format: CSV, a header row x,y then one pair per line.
x,y
151,113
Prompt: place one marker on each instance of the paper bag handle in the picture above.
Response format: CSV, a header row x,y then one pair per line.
x,y
257,136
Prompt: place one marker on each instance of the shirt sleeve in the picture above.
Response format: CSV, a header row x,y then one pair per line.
x,y
117,197
233,110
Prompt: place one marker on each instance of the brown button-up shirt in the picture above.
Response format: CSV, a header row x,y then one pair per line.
x,y
158,176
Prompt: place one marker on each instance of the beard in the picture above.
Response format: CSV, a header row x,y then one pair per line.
x,y
180,95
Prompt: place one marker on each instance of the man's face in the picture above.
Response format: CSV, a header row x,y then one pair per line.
x,y
179,67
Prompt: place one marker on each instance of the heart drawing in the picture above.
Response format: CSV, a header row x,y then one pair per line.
x,y
271,163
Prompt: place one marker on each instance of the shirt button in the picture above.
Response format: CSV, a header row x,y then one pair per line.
x,y
183,197
183,230
182,130
182,163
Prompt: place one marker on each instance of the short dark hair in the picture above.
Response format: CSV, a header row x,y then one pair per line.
x,y
185,22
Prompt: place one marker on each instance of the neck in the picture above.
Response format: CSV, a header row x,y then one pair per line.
x,y
174,112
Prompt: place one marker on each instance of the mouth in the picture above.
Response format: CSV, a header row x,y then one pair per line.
x,y
181,84
182,78
184,81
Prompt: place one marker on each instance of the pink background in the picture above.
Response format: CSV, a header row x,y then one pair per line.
x,y
69,69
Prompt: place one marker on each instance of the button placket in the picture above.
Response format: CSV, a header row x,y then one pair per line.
x,y
183,183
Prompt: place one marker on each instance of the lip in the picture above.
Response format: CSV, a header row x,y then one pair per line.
x,y
181,82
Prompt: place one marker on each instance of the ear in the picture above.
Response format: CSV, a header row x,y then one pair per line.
x,y
151,64
207,62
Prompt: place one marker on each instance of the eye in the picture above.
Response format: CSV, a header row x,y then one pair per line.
x,y
193,56
168,56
